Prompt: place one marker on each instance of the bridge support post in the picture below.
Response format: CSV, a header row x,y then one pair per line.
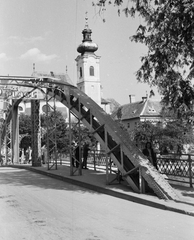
x,y
36,138
15,135
8,151
51,119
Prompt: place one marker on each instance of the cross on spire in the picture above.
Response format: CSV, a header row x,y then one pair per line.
x,y
86,18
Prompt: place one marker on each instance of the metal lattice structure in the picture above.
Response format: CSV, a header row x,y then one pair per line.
x,y
6,141
35,138
133,166
8,151
51,143
173,166
176,166
131,163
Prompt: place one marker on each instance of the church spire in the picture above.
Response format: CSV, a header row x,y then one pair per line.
x,y
86,18
87,45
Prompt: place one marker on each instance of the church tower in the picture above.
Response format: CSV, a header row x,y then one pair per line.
x,y
88,71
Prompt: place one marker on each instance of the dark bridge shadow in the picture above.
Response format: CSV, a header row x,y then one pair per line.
x,y
22,177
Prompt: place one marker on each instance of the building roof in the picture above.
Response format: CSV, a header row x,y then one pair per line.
x,y
152,108
147,107
87,45
64,77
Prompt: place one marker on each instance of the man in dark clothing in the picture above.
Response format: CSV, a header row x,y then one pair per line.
x,y
85,155
77,158
150,154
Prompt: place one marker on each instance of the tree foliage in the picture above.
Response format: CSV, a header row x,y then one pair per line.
x,y
25,130
25,124
169,135
58,121
167,30
82,134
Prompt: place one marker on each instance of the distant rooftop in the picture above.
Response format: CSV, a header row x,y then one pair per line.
x,y
64,77
145,107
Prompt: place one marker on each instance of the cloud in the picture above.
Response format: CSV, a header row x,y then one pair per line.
x,y
36,55
4,57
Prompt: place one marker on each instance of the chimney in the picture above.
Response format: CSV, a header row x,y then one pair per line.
x,y
144,99
131,98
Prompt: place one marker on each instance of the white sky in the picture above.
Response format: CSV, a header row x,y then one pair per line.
x,y
48,32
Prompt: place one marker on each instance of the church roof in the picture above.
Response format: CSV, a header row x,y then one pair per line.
x,y
148,108
87,45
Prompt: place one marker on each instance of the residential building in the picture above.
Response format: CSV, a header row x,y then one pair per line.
x,y
134,112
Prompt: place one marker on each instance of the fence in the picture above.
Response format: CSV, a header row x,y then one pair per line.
x,y
96,160
178,168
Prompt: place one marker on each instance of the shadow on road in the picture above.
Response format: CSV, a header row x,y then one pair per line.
x,y
21,177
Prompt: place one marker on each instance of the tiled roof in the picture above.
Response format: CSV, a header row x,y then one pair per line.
x,y
64,77
127,111
152,108
137,109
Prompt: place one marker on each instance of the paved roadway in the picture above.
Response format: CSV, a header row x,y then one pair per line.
x,y
36,207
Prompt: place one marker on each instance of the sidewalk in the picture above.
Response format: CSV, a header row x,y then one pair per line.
x,y
96,181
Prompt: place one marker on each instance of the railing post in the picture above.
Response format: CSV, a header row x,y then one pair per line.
x,y
94,160
190,170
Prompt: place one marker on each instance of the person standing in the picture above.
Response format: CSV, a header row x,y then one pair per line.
x,y
77,156
85,155
30,154
148,151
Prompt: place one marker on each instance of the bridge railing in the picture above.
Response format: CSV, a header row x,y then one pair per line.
x,y
178,168
96,160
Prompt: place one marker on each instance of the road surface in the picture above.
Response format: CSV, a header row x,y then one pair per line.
x,y
36,207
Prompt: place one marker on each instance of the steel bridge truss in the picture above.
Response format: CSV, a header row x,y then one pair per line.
x,y
8,142
133,166
51,143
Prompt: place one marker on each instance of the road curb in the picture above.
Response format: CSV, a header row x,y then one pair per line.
x,y
108,191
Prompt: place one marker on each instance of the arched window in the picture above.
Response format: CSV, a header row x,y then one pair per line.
x,y
80,72
91,71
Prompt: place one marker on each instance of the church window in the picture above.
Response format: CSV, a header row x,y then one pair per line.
x,y
80,72
91,71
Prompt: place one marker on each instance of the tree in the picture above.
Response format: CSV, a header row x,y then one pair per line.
x,y
168,33
25,124
82,133
62,138
25,130
169,134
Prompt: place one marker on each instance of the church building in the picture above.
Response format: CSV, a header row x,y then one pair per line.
x,y
88,70
88,75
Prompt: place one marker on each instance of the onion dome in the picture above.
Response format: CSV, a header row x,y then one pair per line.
x,y
87,45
